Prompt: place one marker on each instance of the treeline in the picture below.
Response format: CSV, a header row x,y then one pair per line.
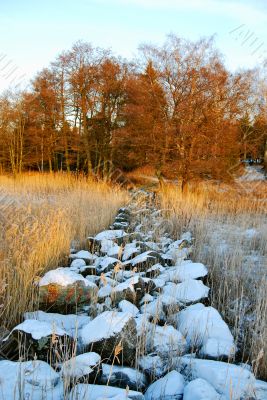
x,y
177,109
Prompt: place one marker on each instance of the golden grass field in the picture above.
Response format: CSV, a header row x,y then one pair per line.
x,y
41,217
229,226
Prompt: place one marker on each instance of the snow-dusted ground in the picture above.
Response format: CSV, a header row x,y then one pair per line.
x,y
149,333
252,173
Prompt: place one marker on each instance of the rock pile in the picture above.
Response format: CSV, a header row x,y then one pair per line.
x,y
127,318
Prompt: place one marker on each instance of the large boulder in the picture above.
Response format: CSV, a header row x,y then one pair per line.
x,y
171,386
70,323
231,381
62,290
186,270
205,329
187,292
34,338
112,335
199,389
31,380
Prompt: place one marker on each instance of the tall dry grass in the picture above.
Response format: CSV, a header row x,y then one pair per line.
x,y
41,216
230,230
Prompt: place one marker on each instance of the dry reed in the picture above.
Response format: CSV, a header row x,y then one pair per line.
x,y
41,216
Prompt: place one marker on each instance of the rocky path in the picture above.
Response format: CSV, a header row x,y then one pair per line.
x,y
127,318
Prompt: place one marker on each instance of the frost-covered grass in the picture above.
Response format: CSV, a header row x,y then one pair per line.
x,y
229,226
41,216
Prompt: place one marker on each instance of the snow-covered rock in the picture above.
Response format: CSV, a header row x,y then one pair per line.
x,y
187,292
105,264
123,377
153,365
112,234
62,277
85,255
76,264
186,270
133,289
107,331
229,380
204,327
143,261
155,271
261,390
82,368
146,299
110,248
31,380
171,386
199,389
166,341
101,392
128,307
34,337
130,250
70,323
104,291
63,289
154,309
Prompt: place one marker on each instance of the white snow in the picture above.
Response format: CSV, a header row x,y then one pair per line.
x,y
153,309
70,323
104,291
105,325
129,250
84,254
106,262
156,267
31,380
110,248
166,340
205,328
101,392
199,389
110,234
77,264
144,257
39,329
187,292
111,372
171,386
128,307
261,390
159,282
81,365
128,284
64,277
152,364
185,271
252,174
229,380
146,299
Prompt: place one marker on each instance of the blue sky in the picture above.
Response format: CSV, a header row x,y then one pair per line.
x,y
33,32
